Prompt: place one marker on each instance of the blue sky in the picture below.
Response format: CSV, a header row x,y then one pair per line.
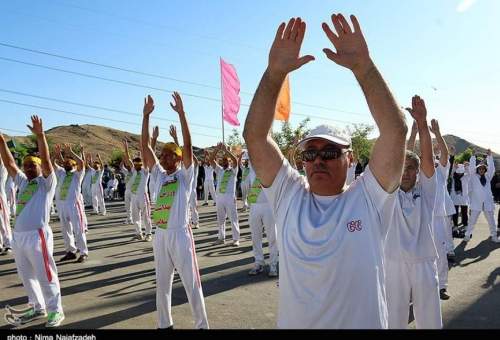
x,y
447,51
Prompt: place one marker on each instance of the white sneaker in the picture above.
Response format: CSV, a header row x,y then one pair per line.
x,y
219,241
467,237
273,271
196,226
236,243
257,269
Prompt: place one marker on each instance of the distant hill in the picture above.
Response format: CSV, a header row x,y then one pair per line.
x,y
104,140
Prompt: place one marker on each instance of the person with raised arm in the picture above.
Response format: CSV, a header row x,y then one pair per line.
x,y
97,172
412,273
246,174
151,184
481,197
173,244
226,193
5,230
70,204
139,199
330,237
442,226
208,181
32,240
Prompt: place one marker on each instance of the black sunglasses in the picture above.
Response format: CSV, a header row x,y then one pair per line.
x,y
326,155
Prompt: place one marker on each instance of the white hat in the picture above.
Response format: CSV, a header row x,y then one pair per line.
x,y
330,133
460,169
244,154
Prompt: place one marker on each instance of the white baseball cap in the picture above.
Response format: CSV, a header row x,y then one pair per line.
x,y
329,133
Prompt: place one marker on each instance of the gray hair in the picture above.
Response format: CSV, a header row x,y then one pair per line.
x,y
410,155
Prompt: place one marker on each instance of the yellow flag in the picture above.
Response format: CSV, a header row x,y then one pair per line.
x,y
283,106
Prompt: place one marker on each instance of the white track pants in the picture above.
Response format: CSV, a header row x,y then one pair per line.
x,y
489,217
262,216
98,199
208,187
5,231
245,189
73,226
128,206
37,269
141,213
226,206
450,246
11,201
441,227
192,208
175,249
418,282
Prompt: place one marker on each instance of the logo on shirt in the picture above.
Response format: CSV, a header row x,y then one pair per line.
x,y
354,226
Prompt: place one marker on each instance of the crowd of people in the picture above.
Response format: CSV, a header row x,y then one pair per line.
x,y
354,246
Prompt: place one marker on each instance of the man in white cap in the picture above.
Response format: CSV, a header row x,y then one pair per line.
x,y
460,192
69,203
226,193
330,237
246,174
139,199
410,248
97,191
173,246
208,181
481,197
32,240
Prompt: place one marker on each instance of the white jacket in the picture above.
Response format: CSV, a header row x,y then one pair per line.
x,y
481,197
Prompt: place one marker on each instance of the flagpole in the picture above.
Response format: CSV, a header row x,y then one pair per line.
x,y
222,101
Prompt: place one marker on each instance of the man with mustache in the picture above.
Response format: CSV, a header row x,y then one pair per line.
x,y
330,237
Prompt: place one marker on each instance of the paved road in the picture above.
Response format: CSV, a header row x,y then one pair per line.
x,y
115,288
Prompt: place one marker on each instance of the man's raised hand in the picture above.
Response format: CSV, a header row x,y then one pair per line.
x,y
178,107
149,106
37,128
284,53
418,110
350,45
435,127
156,132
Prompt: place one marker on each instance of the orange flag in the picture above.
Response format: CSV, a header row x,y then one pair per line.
x,y
283,106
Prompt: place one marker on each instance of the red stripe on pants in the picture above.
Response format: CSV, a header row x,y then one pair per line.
x,y
195,261
45,255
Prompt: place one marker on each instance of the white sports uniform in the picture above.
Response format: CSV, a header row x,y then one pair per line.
x,y
192,201
226,201
461,198
208,183
97,191
261,216
481,197
174,246
246,174
139,201
33,242
441,225
411,258
87,189
71,210
5,231
11,192
331,252
128,194
111,188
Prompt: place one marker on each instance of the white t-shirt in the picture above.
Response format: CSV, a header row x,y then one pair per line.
x,y
481,197
231,183
74,189
36,213
209,173
331,253
411,238
143,183
98,179
441,190
179,212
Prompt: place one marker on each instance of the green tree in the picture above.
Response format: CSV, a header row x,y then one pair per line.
x,y
116,158
464,156
360,143
235,139
288,135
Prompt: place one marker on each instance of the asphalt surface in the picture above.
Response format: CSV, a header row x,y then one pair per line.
x,y
115,288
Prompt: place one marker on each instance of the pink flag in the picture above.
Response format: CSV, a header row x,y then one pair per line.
x,y
230,93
